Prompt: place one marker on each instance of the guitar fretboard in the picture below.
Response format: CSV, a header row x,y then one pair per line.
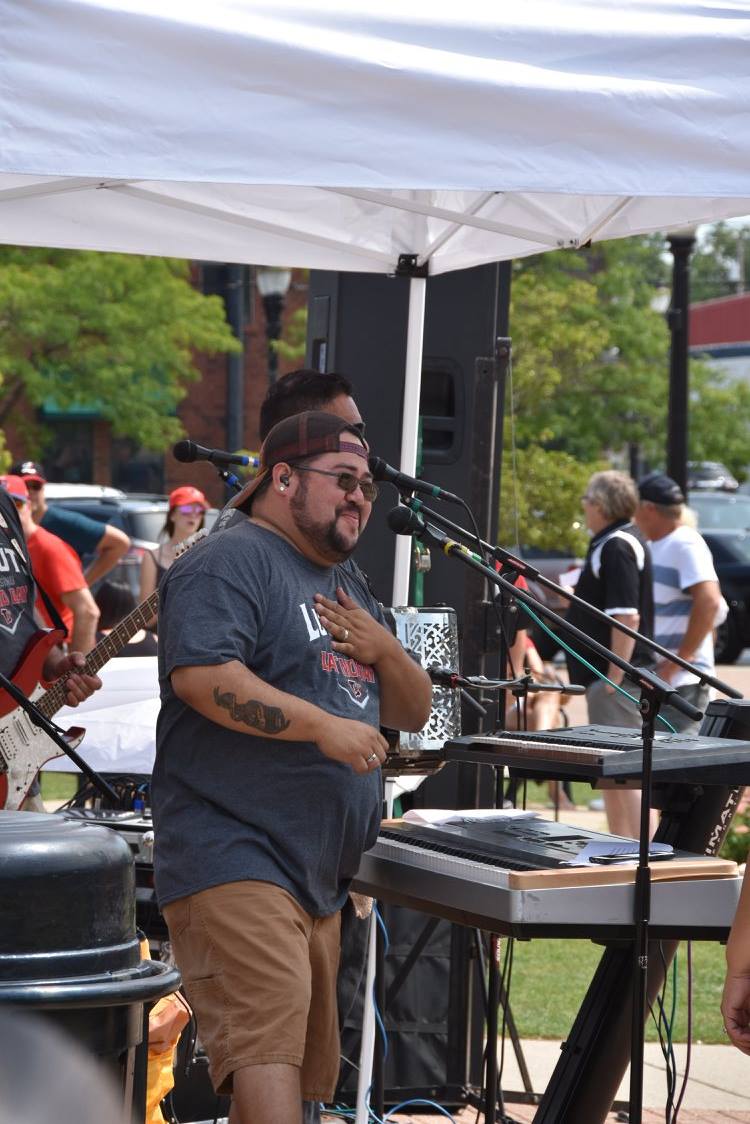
x,y
53,699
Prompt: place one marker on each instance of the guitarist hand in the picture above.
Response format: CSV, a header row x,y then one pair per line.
x,y
78,686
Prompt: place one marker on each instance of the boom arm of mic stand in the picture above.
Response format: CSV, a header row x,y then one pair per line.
x,y
530,572
640,677
55,735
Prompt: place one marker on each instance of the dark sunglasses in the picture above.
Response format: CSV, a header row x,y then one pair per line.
x,y
34,485
347,481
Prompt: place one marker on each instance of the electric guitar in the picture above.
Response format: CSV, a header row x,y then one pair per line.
x,y
24,748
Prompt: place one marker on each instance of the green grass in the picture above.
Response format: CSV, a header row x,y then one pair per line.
x,y
550,978
59,786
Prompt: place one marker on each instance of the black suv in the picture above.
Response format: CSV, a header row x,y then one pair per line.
x,y
731,555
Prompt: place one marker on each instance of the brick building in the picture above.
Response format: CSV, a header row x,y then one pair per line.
x,y
720,331
82,448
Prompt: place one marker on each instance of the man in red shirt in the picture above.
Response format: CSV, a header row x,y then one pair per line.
x,y
57,569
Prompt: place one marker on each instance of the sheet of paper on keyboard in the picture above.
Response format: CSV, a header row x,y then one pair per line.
x,y
434,817
624,847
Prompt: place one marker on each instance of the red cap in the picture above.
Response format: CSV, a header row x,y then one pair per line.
x,y
15,486
187,494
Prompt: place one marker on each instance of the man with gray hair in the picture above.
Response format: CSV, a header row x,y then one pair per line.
x,y
687,596
616,578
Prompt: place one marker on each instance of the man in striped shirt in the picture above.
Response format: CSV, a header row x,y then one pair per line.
x,y
687,598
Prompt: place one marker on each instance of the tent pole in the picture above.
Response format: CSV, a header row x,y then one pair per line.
x,y
410,424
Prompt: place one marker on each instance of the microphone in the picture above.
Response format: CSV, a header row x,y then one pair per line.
x,y
188,451
403,521
383,471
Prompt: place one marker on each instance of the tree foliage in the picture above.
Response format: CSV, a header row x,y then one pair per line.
x,y
540,500
720,263
118,331
590,378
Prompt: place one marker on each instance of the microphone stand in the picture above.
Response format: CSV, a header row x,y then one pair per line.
x,y
524,569
55,734
654,692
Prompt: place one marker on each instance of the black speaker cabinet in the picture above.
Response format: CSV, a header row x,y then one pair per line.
x,y
357,326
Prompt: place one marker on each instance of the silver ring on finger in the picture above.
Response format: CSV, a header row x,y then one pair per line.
x,y
344,636
373,757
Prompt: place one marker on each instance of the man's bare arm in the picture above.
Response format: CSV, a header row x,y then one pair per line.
x,y
405,689
85,618
234,697
621,644
109,550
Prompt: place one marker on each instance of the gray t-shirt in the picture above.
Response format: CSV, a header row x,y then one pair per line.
x,y
231,806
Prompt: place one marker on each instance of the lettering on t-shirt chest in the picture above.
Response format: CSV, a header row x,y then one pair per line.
x,y
312,622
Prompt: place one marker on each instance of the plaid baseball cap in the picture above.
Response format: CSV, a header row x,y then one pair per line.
x,y
659,488
30,470
303,435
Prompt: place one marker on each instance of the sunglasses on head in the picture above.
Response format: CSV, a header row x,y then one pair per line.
x,y
189,508
347,481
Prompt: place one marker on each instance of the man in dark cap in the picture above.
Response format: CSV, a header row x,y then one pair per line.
x,y
687,598
101,544
276,673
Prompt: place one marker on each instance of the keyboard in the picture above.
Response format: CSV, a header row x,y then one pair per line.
x,y
601,752
512,877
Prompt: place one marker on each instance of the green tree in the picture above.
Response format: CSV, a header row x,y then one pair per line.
x,y
293,343
117,330
540,503
590,377
720,263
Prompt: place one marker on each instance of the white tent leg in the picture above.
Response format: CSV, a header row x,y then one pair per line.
x,y
367,1044
410,426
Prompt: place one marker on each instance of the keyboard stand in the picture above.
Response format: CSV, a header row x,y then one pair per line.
x,y
494,998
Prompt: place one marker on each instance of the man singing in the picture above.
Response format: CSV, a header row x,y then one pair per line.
x,y
276,674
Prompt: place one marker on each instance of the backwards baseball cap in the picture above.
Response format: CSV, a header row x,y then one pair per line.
x,y
659,488
303,435
187,494
15,486
30,470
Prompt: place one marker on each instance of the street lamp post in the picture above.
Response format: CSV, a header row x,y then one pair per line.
x,y
273,284
681,243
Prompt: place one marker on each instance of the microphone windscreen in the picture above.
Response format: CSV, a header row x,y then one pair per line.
x,y
377,467
184,451
403,521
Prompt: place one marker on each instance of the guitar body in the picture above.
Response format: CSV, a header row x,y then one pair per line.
x,y
24,748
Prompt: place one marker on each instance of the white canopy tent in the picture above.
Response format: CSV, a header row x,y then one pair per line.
x,y
341,134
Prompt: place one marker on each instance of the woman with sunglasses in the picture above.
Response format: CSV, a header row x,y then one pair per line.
x,y
187,511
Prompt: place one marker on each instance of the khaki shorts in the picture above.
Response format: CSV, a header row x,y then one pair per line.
x,y
260,974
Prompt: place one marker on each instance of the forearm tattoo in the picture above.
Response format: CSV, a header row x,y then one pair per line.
x,y
253,713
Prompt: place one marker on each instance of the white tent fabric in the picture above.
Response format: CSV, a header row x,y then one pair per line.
x,y
340,134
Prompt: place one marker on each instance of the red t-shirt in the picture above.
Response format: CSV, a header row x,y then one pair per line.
x,y
57,568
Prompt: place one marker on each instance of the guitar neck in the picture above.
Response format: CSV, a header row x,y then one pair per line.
x,y
53,699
